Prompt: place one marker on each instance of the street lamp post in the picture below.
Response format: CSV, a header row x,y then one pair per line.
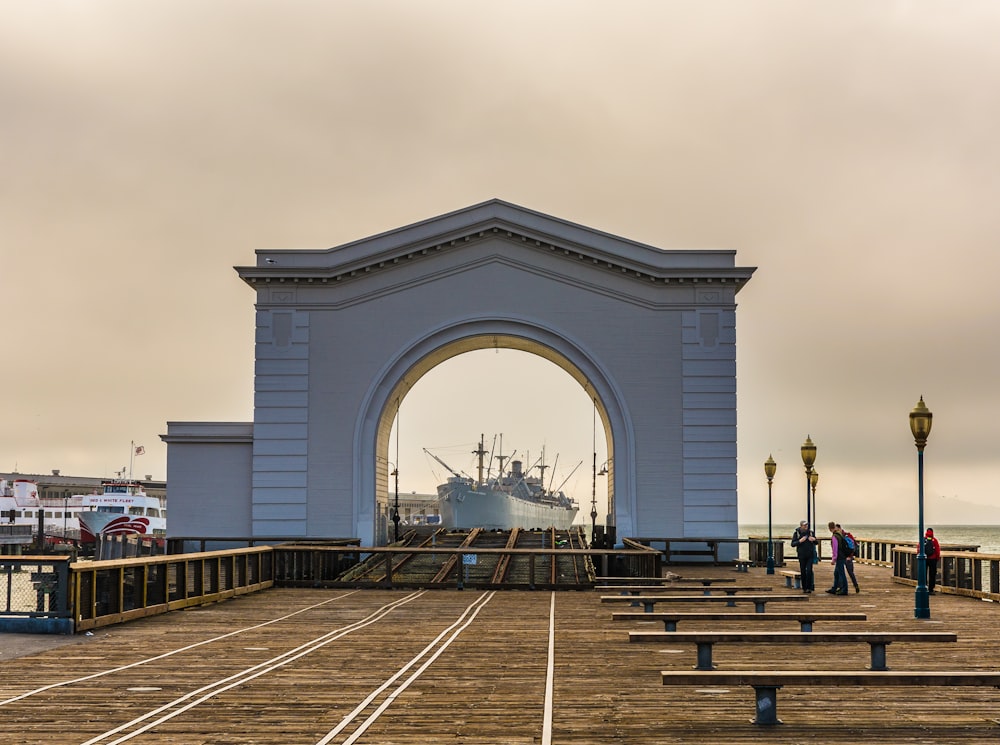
x,y
920,426
593,502
395,509
769,469
808,458
813,480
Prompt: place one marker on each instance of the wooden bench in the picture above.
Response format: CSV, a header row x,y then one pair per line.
x,y
877,640
656,581
648,601
792,576
767,682
670,620
706,589
742,565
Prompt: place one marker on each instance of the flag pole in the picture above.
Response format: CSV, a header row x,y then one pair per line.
x,y
131,457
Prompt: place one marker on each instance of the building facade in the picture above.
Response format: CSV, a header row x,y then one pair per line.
x,y
344,333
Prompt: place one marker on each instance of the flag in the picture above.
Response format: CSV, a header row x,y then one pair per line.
x,y
139,450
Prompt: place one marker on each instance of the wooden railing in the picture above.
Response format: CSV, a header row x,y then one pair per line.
x,y
968,573
108,592
880,552
324,566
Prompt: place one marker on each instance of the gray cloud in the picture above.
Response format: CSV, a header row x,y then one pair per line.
x,y
846,149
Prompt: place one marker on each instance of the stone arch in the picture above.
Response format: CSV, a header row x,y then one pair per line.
x,y
438,345
343,332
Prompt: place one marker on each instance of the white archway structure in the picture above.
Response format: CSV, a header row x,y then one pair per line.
x,y
344,333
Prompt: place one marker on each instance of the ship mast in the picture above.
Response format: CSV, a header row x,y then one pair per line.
x,y
480,452
541,469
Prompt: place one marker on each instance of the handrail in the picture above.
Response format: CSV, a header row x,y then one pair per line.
x,y
967,573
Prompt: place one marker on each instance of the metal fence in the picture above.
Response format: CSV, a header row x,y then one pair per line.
x,y
33,591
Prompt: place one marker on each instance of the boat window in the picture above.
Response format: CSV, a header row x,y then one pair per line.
x,y
48,513
117,510
151,512
135,510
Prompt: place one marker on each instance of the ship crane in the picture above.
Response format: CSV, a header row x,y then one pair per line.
x,y
454,473
569,477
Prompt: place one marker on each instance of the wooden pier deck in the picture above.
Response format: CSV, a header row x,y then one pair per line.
x,y
375,666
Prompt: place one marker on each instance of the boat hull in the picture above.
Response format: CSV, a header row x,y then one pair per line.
x,y
495,510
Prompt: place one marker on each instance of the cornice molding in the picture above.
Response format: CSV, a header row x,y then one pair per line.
x,y
413,243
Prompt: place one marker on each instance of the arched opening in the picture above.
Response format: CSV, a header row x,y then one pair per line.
x,y
495,385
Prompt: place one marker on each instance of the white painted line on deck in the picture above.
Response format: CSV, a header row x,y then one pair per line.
x,y
550,675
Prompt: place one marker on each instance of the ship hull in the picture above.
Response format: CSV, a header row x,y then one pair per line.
x,y
496,510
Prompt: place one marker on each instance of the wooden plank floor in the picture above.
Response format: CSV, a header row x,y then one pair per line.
x,y
322,653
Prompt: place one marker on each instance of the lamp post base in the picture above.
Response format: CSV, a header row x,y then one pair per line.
x,y
922,603
921,598
770,565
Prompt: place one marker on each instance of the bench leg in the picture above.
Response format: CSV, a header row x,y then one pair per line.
x,y
704,656
806,625
670,624
767,706
878,656
798,583
759,605
788,582
648,607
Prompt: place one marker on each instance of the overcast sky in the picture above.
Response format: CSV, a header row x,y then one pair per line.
x,y
849,150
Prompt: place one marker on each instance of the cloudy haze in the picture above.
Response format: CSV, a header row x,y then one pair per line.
x,y
849,150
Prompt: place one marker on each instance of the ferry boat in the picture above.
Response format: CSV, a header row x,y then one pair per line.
x,y
514,499
121,506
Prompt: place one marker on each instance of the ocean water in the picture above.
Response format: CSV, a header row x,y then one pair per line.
x,y
987,537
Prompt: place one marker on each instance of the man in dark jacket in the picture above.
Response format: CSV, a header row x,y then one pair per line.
x,y
804,543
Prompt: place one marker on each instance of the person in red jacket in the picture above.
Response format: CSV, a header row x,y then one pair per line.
x,y
932,552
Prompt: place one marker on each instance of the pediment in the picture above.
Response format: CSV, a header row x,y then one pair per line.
x,y
492,220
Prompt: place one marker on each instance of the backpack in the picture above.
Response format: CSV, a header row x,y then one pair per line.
x,y
928,546
850,544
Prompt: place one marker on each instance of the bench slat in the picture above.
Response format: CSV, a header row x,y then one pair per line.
x,y
767,682
820,678
877,640
788,637
806,620
648,601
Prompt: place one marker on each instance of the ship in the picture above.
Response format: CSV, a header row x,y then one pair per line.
x,y
121,506
513,499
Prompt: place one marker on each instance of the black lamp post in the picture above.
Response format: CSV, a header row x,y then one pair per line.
x,y
395,509
808,458
769,469
920,426
593,502
813,480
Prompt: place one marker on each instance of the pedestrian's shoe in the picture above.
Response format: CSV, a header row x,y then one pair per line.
x,y
832,591
857,588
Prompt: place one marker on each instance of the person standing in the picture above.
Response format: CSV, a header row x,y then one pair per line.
x,y
804,543
849,560
839,560
932,552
